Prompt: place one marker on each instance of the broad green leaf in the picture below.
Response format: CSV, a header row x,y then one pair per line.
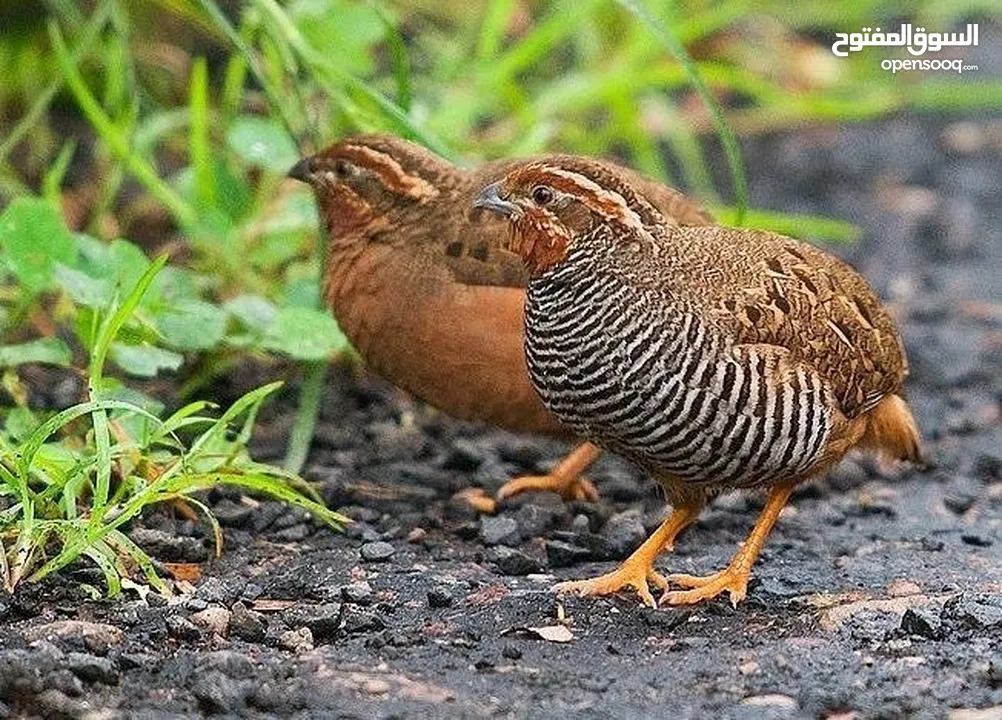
x,y
346,31
294,212
144,360
255,312
84,289
51,351
191,325
305,334
34,238
263,143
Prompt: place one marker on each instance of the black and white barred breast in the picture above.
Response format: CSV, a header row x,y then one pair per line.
x,y
629,367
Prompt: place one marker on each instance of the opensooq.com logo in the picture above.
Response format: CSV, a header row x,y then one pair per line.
x,y
918,42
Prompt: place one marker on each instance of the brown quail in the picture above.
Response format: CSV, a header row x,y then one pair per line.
x,y
420,285
715,358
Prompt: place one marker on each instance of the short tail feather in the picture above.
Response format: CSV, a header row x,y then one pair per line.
x,y
891,431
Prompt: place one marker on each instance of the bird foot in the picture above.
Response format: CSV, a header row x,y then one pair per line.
x,y
567,487
627,575
706,587
480,500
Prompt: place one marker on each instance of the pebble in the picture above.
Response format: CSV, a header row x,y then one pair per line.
x,y
80,629
359,593
246,624
499,530
230,663
379,551
168,547
624,532
92,669
511,561
297,641
217,693
215,619
922,621
563,554
440,597
977,612
323,621
182,628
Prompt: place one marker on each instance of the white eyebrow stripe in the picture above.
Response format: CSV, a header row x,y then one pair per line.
x,y
412,186
625,215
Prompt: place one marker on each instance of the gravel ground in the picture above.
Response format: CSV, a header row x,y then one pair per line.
x,y
876,597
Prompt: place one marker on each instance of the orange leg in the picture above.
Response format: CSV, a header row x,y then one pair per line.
x,y
563,479
734,578
638,569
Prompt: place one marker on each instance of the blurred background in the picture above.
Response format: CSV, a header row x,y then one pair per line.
x,y
155,262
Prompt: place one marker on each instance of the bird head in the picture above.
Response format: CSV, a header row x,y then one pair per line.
x,y
363,183
554,204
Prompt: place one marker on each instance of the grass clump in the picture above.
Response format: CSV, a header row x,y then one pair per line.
x,y
70,483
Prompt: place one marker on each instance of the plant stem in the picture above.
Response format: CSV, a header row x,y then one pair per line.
x,y
306,416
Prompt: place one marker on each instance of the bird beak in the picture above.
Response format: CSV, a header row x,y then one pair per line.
x,y
303,170
490,199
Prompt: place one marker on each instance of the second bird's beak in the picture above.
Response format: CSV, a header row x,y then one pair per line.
x,y
303,170
490,199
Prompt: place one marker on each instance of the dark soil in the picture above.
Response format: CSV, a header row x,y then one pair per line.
x,y
876,597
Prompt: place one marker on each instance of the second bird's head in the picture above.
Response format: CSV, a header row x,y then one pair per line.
x,y
555,204
364,184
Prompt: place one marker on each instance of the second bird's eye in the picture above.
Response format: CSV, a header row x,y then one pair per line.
x,y
343,168
541,195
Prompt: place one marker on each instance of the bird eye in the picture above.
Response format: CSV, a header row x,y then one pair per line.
x,y
343,169
541,195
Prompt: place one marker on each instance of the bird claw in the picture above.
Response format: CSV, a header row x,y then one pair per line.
x,y
569,488
480,500
734,582
619,579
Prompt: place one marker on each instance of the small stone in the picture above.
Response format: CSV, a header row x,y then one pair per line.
x,y
774,701
217,693
359,620
168,547
977,540
624,532
92,669
230,663
64,681
439,597
359,593
515,562
923,622
499,530
749,668
977,612
246,624
378,551
511,652
215,619
416,535
182,628
375,686
464,456
296,641
251,592
323,621
581,524
76,629
563,554
535,520
231,514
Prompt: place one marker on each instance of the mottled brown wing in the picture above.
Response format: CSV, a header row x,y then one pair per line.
x,y
475,253
769,289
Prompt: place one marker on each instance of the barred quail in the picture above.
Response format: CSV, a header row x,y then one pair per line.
x,y
716,359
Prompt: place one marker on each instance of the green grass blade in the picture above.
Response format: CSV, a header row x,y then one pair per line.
x,y
184,214
306,416
198,135
727,137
